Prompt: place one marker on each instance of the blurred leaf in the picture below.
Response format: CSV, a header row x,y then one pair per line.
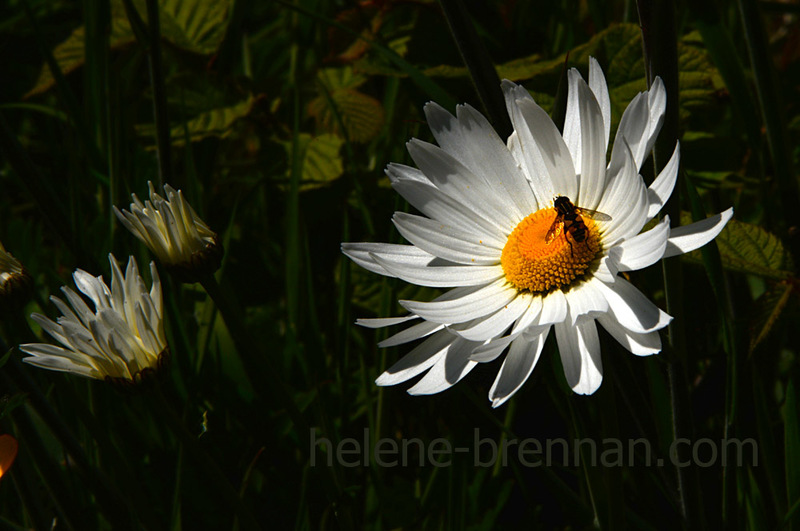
x,y
365,18
619,50
754,504
216,122
321,161
768,308
194,25
70,54
10,402
361,115
747,248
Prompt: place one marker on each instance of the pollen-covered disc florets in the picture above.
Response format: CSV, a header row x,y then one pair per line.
x,y
531,261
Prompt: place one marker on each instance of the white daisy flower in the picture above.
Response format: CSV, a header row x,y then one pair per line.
x,y
122,339
172,230
499,227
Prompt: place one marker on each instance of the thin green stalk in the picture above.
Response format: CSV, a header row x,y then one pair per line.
x,y
163,132
481,68
657,20
770,101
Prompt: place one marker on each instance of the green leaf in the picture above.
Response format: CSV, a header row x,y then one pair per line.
x,y
619,50
216,122
361,115
194,25
747,248
70,54
321,161
768,308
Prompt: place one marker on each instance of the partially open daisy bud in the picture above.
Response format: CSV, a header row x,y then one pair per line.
x,y
172,230
16,284
122,339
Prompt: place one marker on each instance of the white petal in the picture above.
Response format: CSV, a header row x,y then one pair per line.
x,y
471,306
441,276
644,249
638,344
627,222
543,153
448,370
530,316
420,359
554,308
492,349
439,206
632,309
62,365
497,323
662,186
597,82
690,237
385,321
447,242
453,178
517,367
584,133
579,347
585,298
632,131
412,333
360,253
488,156
608,267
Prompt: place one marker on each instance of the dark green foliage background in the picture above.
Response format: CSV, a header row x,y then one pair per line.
x,y
282,116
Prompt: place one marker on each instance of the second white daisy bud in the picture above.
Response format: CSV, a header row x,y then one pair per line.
x,y
172,230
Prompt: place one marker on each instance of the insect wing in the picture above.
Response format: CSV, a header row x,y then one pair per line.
x,y
551,233
593,214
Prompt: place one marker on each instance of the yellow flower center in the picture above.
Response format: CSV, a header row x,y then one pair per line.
x,y
533,262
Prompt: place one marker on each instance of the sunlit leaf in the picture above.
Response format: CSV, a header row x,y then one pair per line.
x,y
216,122
361,115
322,163
194,25
619,50
70,54
750,249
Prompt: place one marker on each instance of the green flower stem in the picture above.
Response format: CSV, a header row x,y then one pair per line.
x,y
480,65
205,463
657,20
